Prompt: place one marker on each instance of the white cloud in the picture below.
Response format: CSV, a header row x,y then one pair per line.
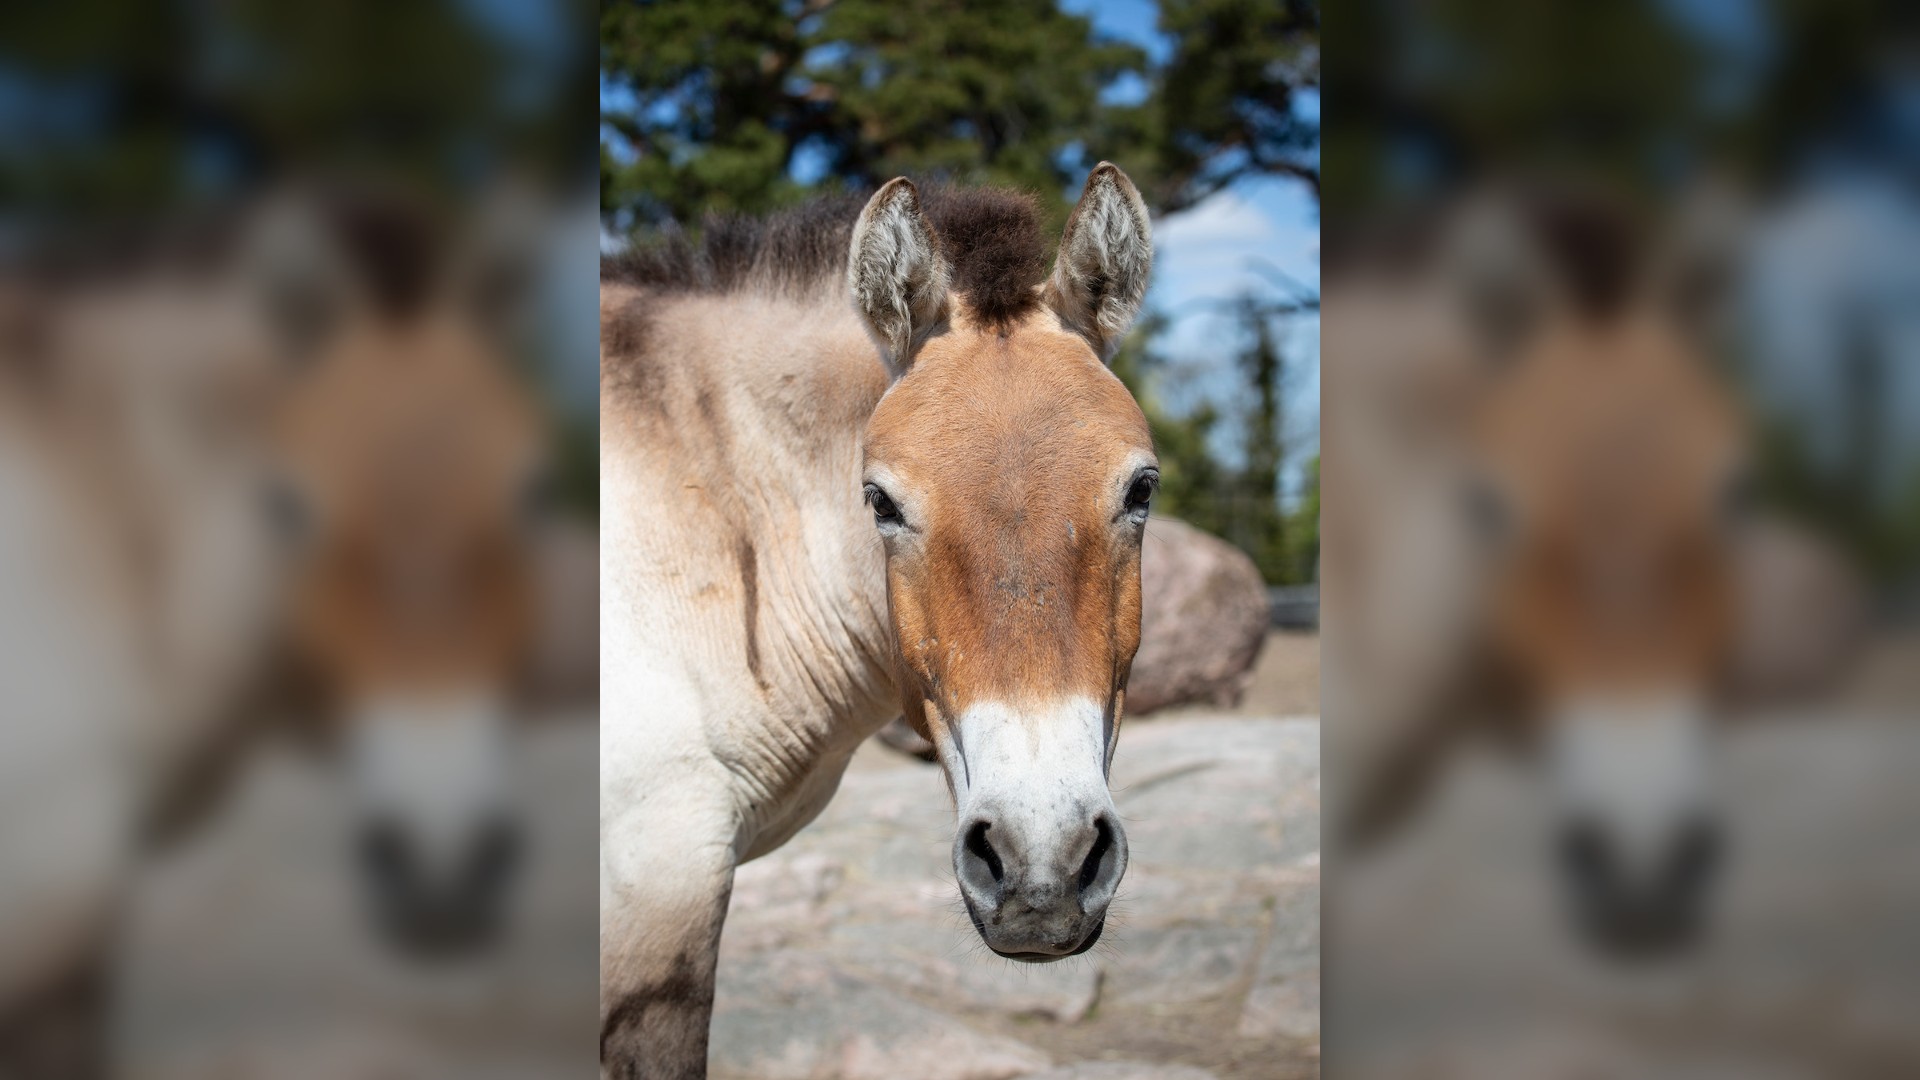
x,y
1226,218
1206,257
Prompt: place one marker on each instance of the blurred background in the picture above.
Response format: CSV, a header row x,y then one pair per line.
x,y
1621,556
844,952
297,466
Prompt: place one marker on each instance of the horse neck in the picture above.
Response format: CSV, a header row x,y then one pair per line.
x,y
776,394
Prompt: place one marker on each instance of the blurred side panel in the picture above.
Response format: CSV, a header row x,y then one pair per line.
x,y
1619,558
297,469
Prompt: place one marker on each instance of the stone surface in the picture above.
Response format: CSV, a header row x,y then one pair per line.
x,y
1455,942
795,1016
902,953
1182,964
1123,1070
852,934
845,955
247,950
1285,998
1203,617
564,671
1803,612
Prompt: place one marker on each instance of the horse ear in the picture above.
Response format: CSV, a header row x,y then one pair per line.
x,y
1696,277
896,273
495,270
1100,276
1505,283
305,289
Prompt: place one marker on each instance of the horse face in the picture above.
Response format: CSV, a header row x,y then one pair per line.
x,y
412,454
1009,475
1612,462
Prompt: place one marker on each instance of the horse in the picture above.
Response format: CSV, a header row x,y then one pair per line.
x,y
413,485
1536,502
171,452
859,461
140,582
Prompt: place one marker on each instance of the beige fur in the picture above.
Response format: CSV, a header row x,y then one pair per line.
x,y
751,605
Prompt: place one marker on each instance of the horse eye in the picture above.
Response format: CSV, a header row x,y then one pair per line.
x,y
1140,494
884,512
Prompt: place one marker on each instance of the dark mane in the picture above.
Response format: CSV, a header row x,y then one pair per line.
x,y
991,237
1595,246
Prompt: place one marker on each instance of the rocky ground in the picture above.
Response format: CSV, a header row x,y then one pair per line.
x,y
847,955
247,955
1454,954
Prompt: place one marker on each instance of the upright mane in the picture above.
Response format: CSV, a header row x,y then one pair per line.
x,y
991,237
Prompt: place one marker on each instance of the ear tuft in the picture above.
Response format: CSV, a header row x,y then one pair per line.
x,y
896,273
1106,255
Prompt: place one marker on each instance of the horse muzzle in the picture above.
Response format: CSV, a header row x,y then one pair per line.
x,y
1040,849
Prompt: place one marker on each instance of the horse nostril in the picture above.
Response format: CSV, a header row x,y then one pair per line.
x,y
1102,843
1696,854
384,852
979,848
1583,851
496,852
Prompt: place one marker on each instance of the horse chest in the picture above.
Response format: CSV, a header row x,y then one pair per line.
x,y
800,805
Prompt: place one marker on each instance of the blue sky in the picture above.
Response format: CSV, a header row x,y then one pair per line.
x,y
1260,235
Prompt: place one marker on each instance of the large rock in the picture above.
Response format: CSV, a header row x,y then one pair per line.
x,y
1803,612
1203,617
564,670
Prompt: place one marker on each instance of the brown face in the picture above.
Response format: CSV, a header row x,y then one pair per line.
x,y
1613,468
1615,461
1009,474
409,455
412,456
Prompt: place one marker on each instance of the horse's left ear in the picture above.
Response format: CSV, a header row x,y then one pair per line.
x,y
897,274
1697,274
495,268
302,280
1100,277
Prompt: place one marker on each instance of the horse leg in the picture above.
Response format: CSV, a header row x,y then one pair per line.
x,y
665,885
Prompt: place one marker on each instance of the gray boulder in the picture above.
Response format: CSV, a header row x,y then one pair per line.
x,y
1803,613
1203,618
564,670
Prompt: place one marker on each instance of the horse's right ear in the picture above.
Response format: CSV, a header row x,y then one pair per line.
x,y
302,283
1100,276
1697,275
1503,281
897,274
